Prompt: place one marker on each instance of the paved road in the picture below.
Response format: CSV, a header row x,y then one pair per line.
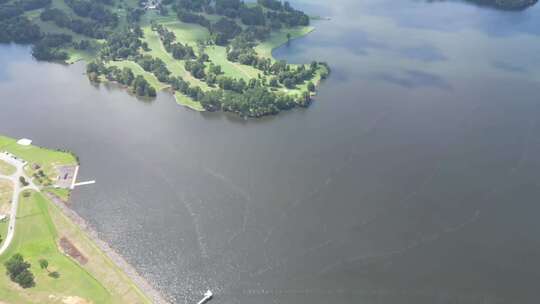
x,y
17,189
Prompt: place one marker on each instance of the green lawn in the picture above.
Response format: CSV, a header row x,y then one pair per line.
x,y
45,158
6,169
35,238
78,55
218,55
184,100
279,38
175,66
188,33
60,192
185,32
35,154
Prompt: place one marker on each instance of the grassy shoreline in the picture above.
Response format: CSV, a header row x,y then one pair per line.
x,y
279,38
101,277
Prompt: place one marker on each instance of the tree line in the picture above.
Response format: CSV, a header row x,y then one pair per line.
x,y
226,28
18,7
93,10
14,26
49,47
89,28
123,44
125,76
19,30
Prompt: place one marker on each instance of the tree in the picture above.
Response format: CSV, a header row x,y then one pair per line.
x,y
311,86
54,274
274,82
127,76
44,264
19,30
288,83
18,270
23,181
25,279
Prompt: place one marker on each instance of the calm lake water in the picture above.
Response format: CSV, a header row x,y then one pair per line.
x,y
413,178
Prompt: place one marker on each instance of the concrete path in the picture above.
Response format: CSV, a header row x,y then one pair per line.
x,y
17,189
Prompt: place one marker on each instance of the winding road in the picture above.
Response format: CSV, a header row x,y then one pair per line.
x,y
17,189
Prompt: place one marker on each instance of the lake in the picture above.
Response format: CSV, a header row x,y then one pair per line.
x,y
413,178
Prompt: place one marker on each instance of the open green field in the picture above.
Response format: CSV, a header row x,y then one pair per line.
x,y
218,56
6,169
185,32
60,192
36,154
120,287
46,159
35,238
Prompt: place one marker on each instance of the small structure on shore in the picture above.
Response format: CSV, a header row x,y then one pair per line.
x,y
151,4
24,142
67,174
207,297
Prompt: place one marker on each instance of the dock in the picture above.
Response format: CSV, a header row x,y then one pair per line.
x,y
207,297
84,183
74,179
74,182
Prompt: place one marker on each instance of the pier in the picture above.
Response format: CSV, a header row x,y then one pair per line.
x,y
74,178
84,183
74,182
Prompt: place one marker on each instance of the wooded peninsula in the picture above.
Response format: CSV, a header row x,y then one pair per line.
x,y
213,55
511,5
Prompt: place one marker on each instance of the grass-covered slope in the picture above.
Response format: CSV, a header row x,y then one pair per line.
x,y
35,239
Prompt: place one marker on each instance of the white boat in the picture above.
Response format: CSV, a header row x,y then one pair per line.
x,y
207,297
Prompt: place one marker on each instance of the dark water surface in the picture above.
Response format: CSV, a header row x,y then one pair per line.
x,y
413,178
